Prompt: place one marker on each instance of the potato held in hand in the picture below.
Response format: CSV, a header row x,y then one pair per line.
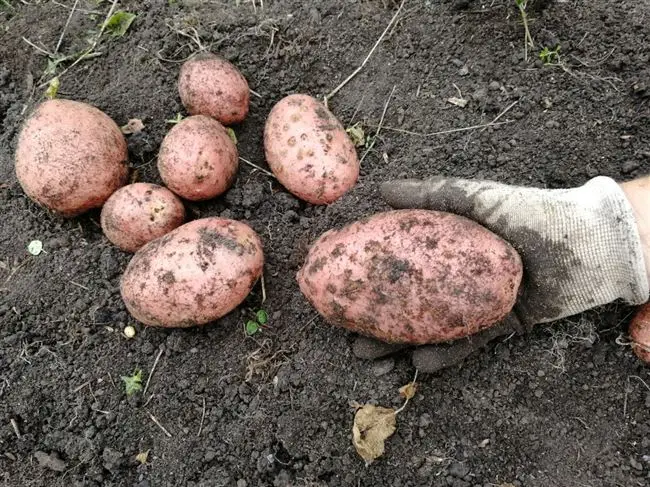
x,y
412,276
198,160
309,151
138,213
70,157
193,275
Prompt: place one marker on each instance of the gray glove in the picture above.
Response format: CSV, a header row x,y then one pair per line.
x,y
580,248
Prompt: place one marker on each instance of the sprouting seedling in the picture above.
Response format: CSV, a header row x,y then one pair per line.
x,y
133,383
528,40
261,319
177,119
550,56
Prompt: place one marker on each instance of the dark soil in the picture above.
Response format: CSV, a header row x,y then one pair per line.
x,y
564,406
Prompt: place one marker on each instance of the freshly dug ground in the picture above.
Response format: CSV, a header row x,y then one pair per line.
x,y
566,405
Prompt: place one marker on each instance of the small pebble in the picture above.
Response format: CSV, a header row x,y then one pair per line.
x,y
383,367
129,332
629,166
494,85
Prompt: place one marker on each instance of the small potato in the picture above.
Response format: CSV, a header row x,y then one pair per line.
x,y
193,275
309,151
70,157
198,160
412,276
138,213
210,85
639,332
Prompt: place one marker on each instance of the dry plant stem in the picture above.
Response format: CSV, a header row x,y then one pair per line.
x,y
155,362
528,40
87,52
407,399
157,423
449,131
268,173
506,110
65,27
202,418
359,68
381,122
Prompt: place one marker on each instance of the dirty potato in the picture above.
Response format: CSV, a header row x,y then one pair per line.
x,y
193,275
412,276
197,159
309,151
212,86
639,333
70,157
138,213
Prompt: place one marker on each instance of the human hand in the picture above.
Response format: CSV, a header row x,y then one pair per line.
x,y
580,248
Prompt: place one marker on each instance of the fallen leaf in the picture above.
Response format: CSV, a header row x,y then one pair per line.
x,y
357,134
133,126
119,23
35,247
459,102
232,135
372,426
53,88
142,457
409,390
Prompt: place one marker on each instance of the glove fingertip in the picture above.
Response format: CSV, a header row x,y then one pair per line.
x,y
404,193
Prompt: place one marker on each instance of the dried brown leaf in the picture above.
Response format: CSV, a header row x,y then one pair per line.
x,y
134,126
372,426
409,390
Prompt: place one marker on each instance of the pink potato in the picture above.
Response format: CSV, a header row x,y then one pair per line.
x,y
412,276
198,160
639,333
309,151
210,85
138,213
193,275
70,157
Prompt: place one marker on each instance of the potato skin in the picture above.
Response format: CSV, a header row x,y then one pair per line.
x,y
140,212
412,276
309,151
639,332
212,86
70,157
197,159
193,275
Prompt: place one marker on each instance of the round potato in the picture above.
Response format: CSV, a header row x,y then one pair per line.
x,y
70,157
412,276
193,275
210,85
138,213
309,151
197,159
639,333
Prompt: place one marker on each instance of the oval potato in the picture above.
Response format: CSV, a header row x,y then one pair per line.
x,y
138,213
197,159
210,85
70,157
412,276
193,275
639,332
309,151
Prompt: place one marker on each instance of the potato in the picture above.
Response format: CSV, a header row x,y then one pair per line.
x,y
639,333
197,159
309,151
138,213
193,275
412,276
210,85
70,157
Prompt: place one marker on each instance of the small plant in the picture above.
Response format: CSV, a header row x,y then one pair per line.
x,y
118,23
550,56
177,119
253,326
133,383
528,40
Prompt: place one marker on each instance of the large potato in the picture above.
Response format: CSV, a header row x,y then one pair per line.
x,y
639,332
309,151
70,157
197,159
138,213
194,274
412,276
210,85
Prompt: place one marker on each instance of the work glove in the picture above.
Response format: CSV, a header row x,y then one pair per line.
x,y
580,248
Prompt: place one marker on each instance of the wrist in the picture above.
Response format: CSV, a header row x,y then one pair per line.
x,y
637,193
